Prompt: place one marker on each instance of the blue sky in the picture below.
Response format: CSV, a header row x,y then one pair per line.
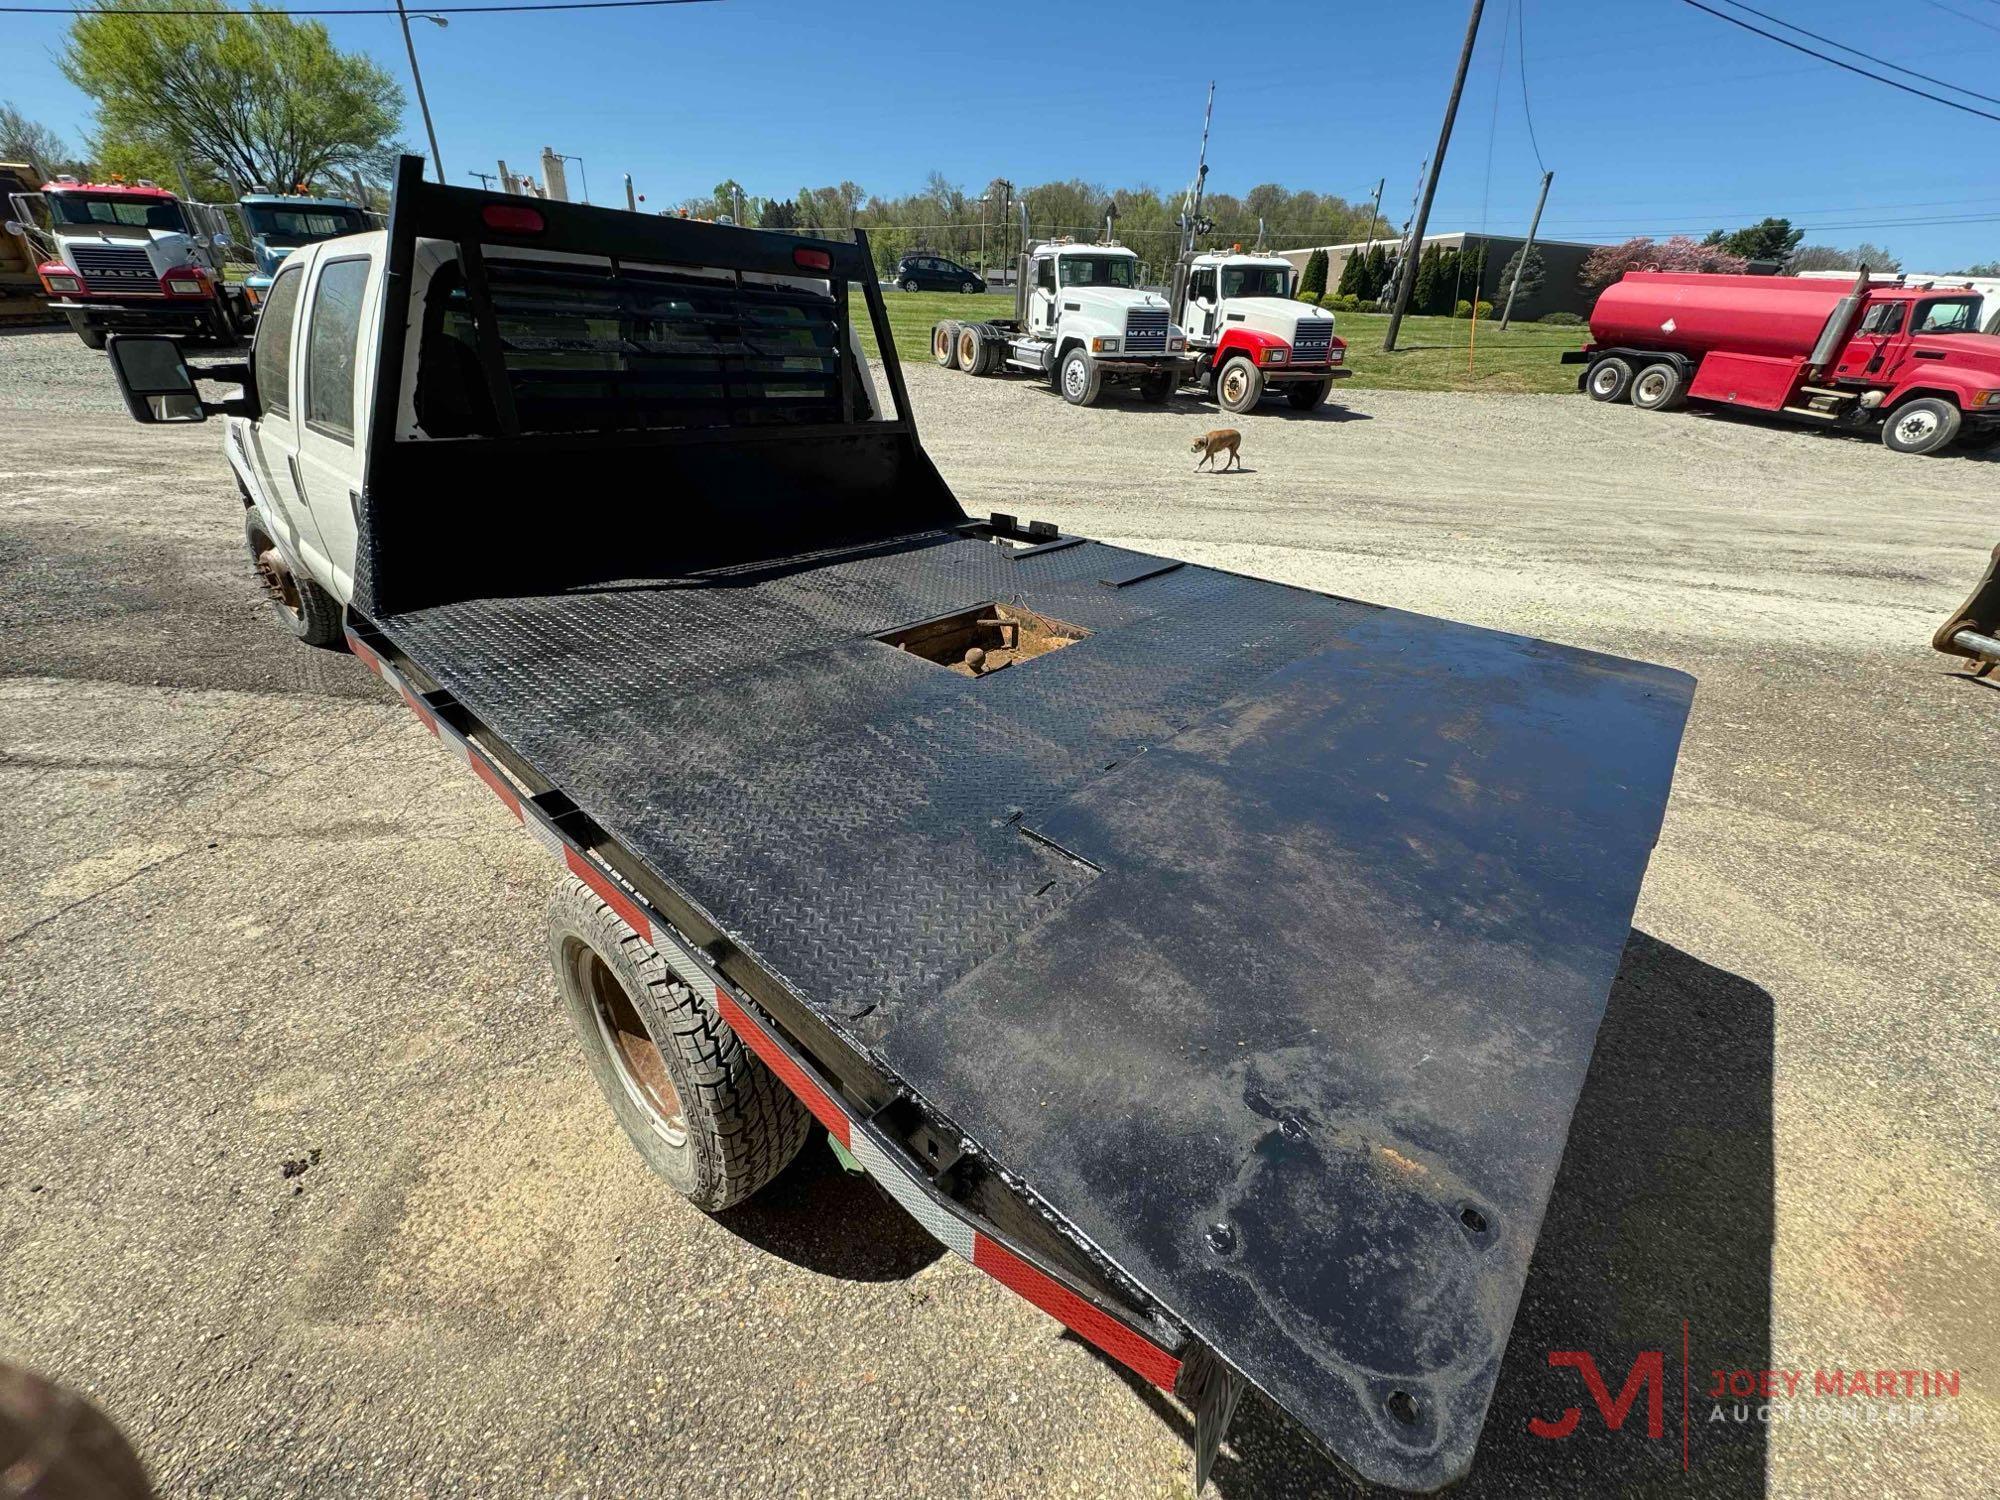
x,y
1655,117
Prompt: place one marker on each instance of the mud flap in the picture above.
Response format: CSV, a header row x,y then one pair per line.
x,y
1212,1389
1974,627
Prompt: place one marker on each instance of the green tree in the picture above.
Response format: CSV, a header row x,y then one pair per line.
x,y
1353,271
779,213
245,96
1767,239
1314,280
1427,293
1528,261
1979,268
1374,274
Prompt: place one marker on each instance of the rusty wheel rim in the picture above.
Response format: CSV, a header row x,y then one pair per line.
x,y
640,1065
1234,384
278,582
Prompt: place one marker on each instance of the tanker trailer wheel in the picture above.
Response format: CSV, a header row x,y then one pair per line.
x,y
944,344
309,611
1239,386
1925,425
701,1108
1657,388
1608,379
1079,379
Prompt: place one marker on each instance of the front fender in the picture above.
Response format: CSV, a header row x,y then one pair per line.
x,y
1248,342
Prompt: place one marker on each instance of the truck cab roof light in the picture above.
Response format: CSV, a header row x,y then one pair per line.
x,y
512,219
812,260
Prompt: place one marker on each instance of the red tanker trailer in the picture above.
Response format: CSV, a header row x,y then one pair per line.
x,y
1909,358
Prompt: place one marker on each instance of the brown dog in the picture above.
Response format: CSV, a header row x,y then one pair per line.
x,y
1222,440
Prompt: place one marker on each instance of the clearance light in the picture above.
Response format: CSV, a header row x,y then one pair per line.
x,y
812,260
511,218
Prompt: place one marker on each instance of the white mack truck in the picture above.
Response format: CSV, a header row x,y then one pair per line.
x,y
1080,320
129,258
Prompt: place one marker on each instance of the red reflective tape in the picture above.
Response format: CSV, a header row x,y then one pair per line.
x,y
368,658
607,890
417,708
1133,1350
502,788
795,1078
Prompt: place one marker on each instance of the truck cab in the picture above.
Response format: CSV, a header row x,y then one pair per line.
x,y
280,223
129,259
1082,320
1241,317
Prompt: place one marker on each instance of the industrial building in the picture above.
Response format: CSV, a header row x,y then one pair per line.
x,y
1560,290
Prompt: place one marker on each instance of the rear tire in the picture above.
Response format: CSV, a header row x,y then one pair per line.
x,y
1079,378
910,285
972,350
1239,385
1658,387
1608,379
1308,395
1925,425
701,1108
944,345
308,611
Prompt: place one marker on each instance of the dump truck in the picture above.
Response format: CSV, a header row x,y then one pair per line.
x,y
21,299
1907,361
281,222
1214,963
1253,336
1081,321
129,257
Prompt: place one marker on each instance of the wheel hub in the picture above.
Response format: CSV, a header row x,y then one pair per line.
x,y
1917,426
1233,385
278,581
1074,378
642,1070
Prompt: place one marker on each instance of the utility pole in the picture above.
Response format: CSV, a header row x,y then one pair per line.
x,y
1521,261
1191,212
1406,263
486,179
1374,214
631,202
1405,283
423,104
1006,219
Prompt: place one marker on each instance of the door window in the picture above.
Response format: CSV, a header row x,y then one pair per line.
x,y
1203,285
333,347
274,344
1045,274
1883,318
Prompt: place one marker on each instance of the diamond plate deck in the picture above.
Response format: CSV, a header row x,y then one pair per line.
x,y
1258,917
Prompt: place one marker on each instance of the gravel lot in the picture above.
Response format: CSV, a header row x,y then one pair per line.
x,y
251,915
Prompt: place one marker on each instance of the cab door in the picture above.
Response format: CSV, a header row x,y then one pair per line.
x,y
1876,345
274,436
342,293
1042,299
1204,306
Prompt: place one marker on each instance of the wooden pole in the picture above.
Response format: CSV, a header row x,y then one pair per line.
x,y
1437,169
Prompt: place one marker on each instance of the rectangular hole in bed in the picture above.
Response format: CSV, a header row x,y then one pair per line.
x,y
981,640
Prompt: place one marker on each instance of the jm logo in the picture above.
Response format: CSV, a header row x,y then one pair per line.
x,y
1648,1373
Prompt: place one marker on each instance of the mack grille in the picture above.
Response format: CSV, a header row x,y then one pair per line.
x,y
108,268
1146,330
1312,341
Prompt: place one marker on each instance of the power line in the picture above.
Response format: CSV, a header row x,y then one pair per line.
x,y
435,10
1836,62
1933,4
1956,88
1521,59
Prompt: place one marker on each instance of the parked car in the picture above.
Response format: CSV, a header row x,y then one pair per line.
x,y
933,273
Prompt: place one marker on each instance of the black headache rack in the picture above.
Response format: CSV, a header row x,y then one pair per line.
x,y
1219,971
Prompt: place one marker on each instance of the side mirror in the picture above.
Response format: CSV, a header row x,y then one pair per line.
x,y
16,227
153,377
